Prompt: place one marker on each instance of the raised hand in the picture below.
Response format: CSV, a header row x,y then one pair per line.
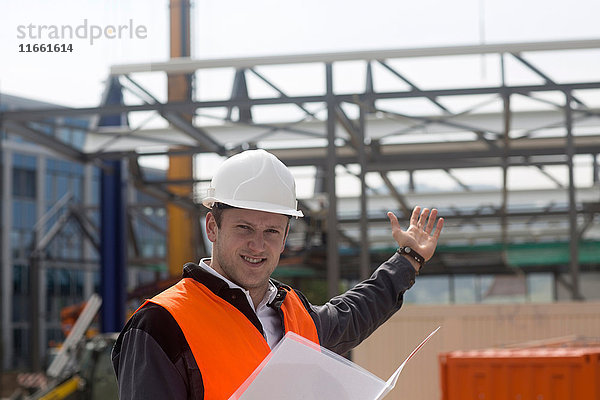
x,y
419,234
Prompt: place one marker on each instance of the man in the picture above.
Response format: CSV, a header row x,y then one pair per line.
x,y
201,338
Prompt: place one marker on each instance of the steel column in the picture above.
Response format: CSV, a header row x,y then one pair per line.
x,y
181,223
573,234
505,151
595,169
37,277
333,258
112,246
42,181
7,267
365,262
88,280
34,314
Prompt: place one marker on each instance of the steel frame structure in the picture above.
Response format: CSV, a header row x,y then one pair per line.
x,y
350,131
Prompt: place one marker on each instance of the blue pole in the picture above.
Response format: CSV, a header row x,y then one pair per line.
x,y
113,247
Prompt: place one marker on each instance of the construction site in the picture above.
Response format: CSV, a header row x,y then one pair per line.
x,y
102,206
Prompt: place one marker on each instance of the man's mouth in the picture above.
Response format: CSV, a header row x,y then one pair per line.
x,y
253,260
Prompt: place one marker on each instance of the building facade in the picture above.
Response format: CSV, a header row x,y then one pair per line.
x,y
44,200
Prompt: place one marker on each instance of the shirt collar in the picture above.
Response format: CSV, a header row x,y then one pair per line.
x,y
269,295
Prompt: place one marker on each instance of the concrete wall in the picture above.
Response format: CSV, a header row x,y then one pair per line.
x,y
464,327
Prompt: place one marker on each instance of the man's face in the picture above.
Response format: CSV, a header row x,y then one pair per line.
x,y
247,246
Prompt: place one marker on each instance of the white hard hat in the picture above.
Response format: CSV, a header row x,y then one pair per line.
x,y
255,180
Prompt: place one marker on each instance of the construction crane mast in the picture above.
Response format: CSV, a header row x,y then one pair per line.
x,y
181,224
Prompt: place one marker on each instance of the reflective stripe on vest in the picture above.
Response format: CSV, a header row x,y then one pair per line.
x,y
226,346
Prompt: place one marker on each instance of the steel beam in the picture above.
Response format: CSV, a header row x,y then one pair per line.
x,y
333,259
413,86
349,126
157,190
365,262
467,154
132,236
45,140
180,123
278,90
595,169
184,65
191,106
480,132
369,88
505,165
113,247
87,227
549,176
6,272
404,206
543,75
198,134
574,238
455,179
239,92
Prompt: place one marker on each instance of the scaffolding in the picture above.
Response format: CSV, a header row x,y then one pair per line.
x,y
387,117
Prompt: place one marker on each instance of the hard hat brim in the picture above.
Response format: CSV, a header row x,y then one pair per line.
x,y
208,202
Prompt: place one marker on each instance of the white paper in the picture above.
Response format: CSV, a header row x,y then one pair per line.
x,y
298,369
394,378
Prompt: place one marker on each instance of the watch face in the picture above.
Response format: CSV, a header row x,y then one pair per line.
x,y
407,249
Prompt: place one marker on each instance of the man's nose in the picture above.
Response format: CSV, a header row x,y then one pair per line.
x,y
257,242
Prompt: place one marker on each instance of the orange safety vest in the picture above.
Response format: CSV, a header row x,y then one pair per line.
x,y
226,346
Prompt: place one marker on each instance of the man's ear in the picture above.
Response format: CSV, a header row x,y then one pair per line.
x,y
211,227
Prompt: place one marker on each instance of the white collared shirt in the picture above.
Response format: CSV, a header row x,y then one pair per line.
x,y
268,317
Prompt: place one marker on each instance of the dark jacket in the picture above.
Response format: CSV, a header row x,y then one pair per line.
x,y
153,360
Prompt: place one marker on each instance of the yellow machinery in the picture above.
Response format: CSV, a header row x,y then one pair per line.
x,y
81,370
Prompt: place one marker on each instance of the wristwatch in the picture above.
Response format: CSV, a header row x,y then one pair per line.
x,y
409,251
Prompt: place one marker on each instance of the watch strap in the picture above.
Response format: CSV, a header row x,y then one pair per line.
x,y
409,251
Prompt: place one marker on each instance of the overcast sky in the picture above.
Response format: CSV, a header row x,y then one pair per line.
x,y
230,28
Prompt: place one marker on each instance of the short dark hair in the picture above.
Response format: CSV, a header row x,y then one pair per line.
x,y
217,211
218,208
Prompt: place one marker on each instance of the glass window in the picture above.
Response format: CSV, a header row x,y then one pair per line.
x,y
24,183
589,283
24,161
50,193
161,250
429,290
77,188
21,347
541,287
96,277
464,289
504,288
20,279
50,282
20,308
78,139
15,243
64,134
64,281
62,185
54,335
79,283
24,215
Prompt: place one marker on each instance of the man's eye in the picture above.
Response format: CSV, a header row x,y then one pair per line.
x,y
243,226
272,231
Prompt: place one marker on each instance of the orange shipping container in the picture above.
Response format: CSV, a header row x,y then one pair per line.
x,y
524,374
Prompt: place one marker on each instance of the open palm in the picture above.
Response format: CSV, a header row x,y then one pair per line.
x,y
419,233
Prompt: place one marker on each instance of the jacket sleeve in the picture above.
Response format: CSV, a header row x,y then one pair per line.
x,y
152,360
346,320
